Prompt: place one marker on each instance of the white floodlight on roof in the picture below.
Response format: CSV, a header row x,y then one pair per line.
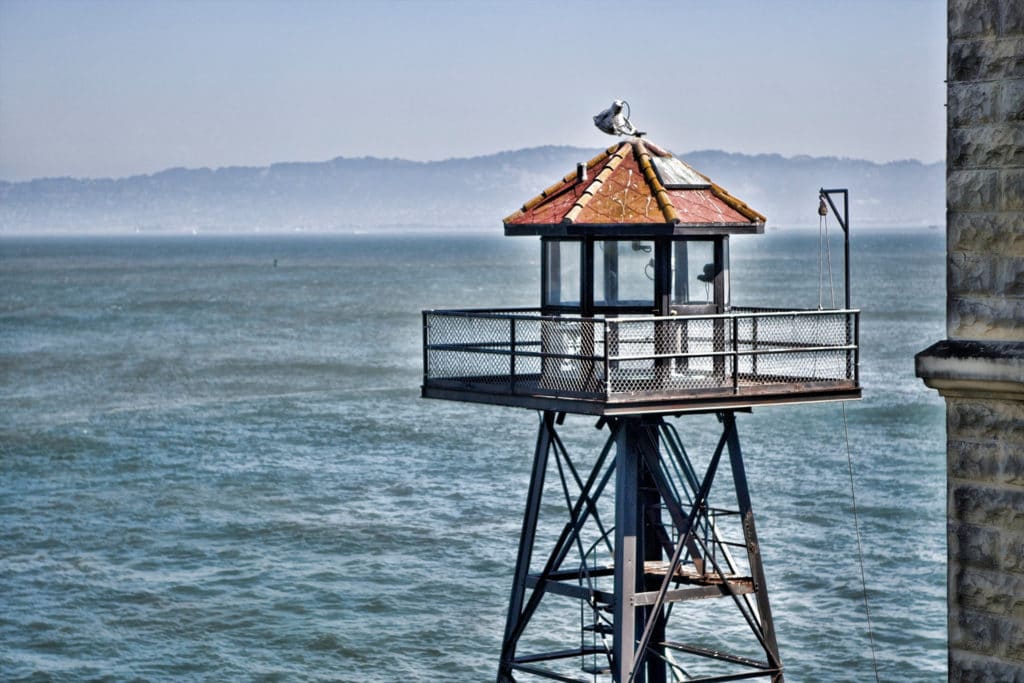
x,y
614,122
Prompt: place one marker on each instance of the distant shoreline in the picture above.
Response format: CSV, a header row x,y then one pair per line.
x,y
350,195
408,232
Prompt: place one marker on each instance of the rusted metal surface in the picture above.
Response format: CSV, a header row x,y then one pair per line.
x,y
702,206
654,181
551,203
565,181
554,207
671,547
595,185
625,197
624,187
603,366
636,323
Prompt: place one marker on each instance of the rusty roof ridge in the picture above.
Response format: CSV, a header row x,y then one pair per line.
x,y
559,185
613,162
741,207
660,193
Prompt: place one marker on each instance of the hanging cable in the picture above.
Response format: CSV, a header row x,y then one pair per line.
x,y
860,549
824,252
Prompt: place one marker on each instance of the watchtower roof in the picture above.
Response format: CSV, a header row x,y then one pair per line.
x,y
638,188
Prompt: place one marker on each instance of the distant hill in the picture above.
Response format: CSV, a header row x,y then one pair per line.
x,y
345,195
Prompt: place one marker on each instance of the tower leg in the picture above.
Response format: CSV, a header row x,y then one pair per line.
x,y
628,526
764,609
629,579
637,521
650,503
526,537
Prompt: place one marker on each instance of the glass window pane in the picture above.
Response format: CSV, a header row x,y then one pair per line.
x,y
624,273
693,272
563,273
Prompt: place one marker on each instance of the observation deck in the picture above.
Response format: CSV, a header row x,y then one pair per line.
x,y
619,365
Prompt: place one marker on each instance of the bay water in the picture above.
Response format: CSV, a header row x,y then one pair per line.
x,y
215,464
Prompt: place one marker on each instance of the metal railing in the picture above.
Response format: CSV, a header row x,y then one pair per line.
x,y
519,351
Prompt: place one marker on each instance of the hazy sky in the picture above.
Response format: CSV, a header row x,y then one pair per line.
x,y
90,88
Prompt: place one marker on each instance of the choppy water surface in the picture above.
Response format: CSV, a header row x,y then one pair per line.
x,y
215,468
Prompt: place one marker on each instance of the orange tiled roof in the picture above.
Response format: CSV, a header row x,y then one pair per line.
x,y
635,182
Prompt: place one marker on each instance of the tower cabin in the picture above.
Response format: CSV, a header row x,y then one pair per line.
x,y
635,313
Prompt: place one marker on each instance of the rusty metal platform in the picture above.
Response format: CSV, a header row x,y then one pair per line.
x,y
635,365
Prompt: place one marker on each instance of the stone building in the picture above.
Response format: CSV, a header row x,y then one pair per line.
x,y
979,368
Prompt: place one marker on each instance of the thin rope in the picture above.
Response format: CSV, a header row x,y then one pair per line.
x,y
860,549
824,251
828,257
821,250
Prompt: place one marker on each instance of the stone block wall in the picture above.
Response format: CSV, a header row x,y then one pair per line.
x,y
985,170
980,367
986,539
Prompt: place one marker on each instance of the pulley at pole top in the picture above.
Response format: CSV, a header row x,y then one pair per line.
x,y
843,218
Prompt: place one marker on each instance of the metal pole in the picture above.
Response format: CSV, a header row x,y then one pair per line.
x,y
649,503
846,243
512,358
844,223
856,353
627,477
735,356
526,538
607,365
739,476
426,347
685,537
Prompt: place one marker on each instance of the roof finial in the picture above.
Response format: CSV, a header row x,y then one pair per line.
x,y
614,122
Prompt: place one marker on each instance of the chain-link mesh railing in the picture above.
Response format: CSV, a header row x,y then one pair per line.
x,y
522,352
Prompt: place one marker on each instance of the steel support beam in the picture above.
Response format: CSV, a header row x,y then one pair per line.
x,y
628,526
526,537
764,610
688,559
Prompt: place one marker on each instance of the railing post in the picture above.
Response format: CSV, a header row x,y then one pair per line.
x,y
512,359
735,355
588,368
425,339
607,365
856,350
753,345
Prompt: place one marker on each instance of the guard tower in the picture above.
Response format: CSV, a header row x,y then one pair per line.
x,y
635,326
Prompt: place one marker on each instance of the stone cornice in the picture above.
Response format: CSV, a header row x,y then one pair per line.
x,y
973,369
